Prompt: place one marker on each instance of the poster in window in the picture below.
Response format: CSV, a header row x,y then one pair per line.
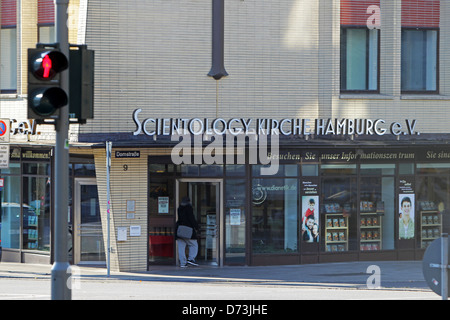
x,y
406,216
163,205
235,217
310,219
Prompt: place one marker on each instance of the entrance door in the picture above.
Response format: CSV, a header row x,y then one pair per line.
x,y
206,201
89,247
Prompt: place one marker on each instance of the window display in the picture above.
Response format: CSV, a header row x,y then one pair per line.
x,y
371,225
377,207
430,223
336,229
274,215
338,196
36,213
432,200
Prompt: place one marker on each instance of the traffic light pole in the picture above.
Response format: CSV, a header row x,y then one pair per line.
x,y
60,286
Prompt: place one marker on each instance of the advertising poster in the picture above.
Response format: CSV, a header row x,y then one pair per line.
x,y
235,217
163,205
310,218
406,201
406,216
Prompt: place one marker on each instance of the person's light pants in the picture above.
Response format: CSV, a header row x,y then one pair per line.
x,y
192,245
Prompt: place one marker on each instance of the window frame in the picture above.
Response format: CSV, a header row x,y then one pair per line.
x,y
343,62
422,92
12,90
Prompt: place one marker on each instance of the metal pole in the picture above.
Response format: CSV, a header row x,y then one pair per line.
x,y
108,206
444,266
60,271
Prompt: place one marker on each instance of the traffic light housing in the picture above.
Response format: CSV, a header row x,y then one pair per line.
x,y
81,80
45,95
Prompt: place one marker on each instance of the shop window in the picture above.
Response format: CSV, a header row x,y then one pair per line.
x,y
359,59
84,169
36,213
287,170
211,170
377,207
432,201
14,168
194,170
420,60
235,221
10,212
338,169
40,168
161,207
157,168
310,170
274,215
406,168
235,170
339,213
8,46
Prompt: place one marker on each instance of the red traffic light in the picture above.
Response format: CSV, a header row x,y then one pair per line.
x,y
46,64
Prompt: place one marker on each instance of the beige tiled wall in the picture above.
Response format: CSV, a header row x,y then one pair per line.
x,y
126,183
282,58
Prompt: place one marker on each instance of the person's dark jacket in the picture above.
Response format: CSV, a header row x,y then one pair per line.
x,y
186,218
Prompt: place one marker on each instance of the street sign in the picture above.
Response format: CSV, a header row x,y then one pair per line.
x,y
4,130
431,265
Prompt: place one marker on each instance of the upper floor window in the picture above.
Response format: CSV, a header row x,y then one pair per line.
x,y
46,21
419,60
420,46
359,59
360,39
8,47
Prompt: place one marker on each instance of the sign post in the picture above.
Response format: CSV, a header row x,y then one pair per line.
x,y
108,206
435,266
61,268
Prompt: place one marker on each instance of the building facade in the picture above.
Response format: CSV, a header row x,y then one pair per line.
x,y
344,100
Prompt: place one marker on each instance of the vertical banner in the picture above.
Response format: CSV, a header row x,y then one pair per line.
x,y
310,210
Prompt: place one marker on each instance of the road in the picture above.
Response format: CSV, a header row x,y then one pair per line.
x,y
112,289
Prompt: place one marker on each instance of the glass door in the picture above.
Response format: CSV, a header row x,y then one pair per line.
x,y
205,198
89,247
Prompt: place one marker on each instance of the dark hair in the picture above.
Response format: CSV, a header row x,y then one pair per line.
x,y
185,201
405,199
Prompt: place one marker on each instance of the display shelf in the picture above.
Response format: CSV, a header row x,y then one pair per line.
x,y
370,231
336,232
430,227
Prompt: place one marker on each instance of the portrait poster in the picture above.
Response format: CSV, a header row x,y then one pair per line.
x,y
406,215
310,218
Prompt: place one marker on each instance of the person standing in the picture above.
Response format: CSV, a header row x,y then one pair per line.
x,y
186,218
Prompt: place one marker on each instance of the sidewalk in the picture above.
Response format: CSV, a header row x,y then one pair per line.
x,y
398,275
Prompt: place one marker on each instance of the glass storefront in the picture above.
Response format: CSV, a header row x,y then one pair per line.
x,y
235,207
26,201
433,192
352,203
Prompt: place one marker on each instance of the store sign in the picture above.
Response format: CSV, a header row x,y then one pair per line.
x,y
270,126
23,127
342,155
